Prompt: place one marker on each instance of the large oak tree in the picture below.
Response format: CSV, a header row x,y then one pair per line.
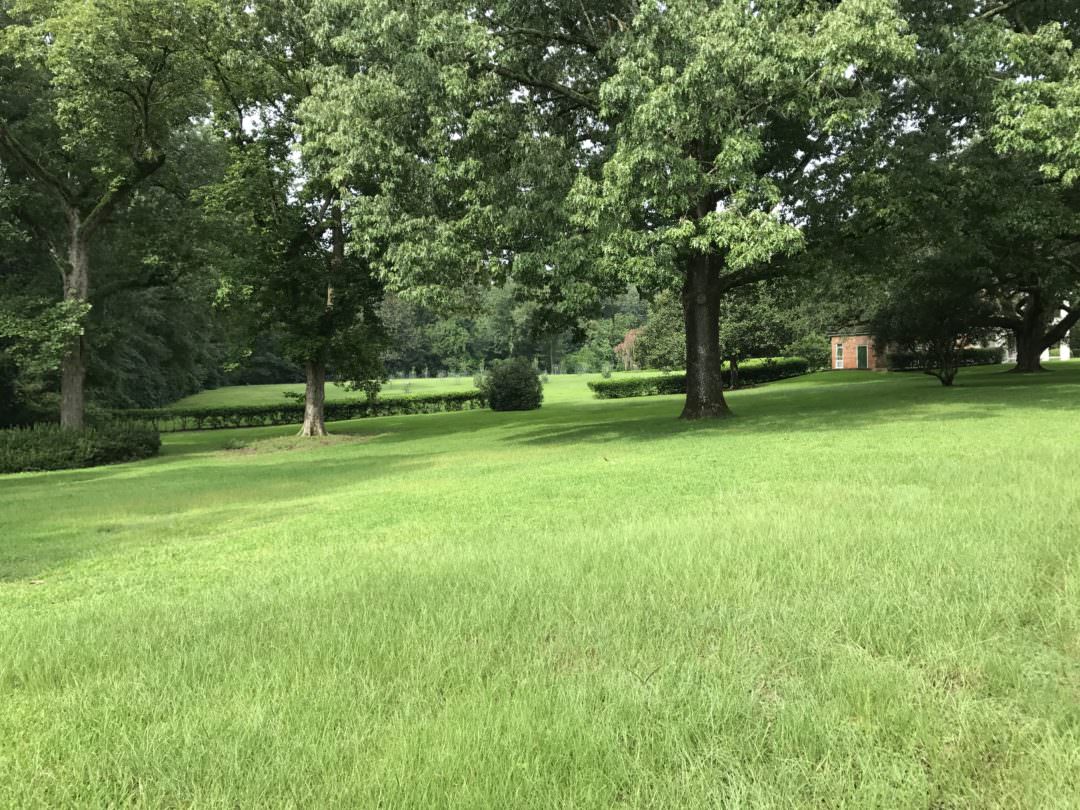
x,y
94,93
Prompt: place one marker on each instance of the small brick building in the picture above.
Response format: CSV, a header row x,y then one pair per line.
x,y
853,348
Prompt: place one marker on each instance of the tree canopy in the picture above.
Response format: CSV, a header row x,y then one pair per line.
x,y
340,188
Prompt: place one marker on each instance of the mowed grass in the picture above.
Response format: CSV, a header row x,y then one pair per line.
x,y
559,387
862,591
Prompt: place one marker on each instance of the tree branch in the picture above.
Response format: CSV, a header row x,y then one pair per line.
x,y
105,206
543,84
999,9
36,168
545,36
1061,329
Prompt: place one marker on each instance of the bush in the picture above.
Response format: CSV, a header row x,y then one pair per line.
x,y
641,385
918,361
751,372
513,385
49,447
290,413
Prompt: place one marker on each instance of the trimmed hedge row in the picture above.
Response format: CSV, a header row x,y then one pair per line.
x,y
289,413
49,447
751,372
916,361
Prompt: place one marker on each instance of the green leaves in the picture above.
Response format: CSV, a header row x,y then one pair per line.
x,y
35,333
713,106
122,75
1040,108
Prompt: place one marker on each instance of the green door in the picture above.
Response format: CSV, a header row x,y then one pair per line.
x,y
864,358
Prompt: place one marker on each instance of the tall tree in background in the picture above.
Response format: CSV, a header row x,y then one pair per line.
x,y
292,266
946,178
93,93
719,110
755,321
459,156
674,135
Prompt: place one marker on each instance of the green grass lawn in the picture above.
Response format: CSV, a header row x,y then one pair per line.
x,y
863,591
559,388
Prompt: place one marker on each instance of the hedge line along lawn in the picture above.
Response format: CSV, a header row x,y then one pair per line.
x,y
862,591
274,394
232,395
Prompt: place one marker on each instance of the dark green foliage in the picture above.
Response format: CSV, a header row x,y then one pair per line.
x,y
292,412
513,385
505,322
934,317
758,320
49,447
751,372
662,340
918,361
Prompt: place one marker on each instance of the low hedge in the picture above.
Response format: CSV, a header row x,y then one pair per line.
x,y
50,447
917,361
289,413
751,372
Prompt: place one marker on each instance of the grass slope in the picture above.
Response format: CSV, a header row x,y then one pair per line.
x,y
863,591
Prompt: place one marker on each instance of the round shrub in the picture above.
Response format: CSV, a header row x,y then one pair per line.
x,y
49,447
513,385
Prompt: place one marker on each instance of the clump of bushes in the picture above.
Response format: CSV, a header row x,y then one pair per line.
x,y
292,412
512,385
49,447
920,361
751,372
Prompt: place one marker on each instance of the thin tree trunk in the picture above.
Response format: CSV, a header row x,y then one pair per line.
x,y
73,363
73,386
701,312
315,370
733,364
314,399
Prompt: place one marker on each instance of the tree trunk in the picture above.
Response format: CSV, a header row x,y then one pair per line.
x,y
1028,353
314,399
1029,350
1030,333
701,311
73,386
733,374
73,363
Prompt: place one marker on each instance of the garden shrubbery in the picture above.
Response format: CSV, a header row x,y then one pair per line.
x,y
918,361
639,385
292,412
751,372
49,447
512,385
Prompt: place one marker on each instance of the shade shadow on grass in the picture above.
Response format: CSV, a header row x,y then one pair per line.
x,y
200,499
838,405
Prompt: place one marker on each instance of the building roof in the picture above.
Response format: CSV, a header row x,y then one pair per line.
x,y
852,330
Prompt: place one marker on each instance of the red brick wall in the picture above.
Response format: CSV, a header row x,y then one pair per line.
x,y
851,352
